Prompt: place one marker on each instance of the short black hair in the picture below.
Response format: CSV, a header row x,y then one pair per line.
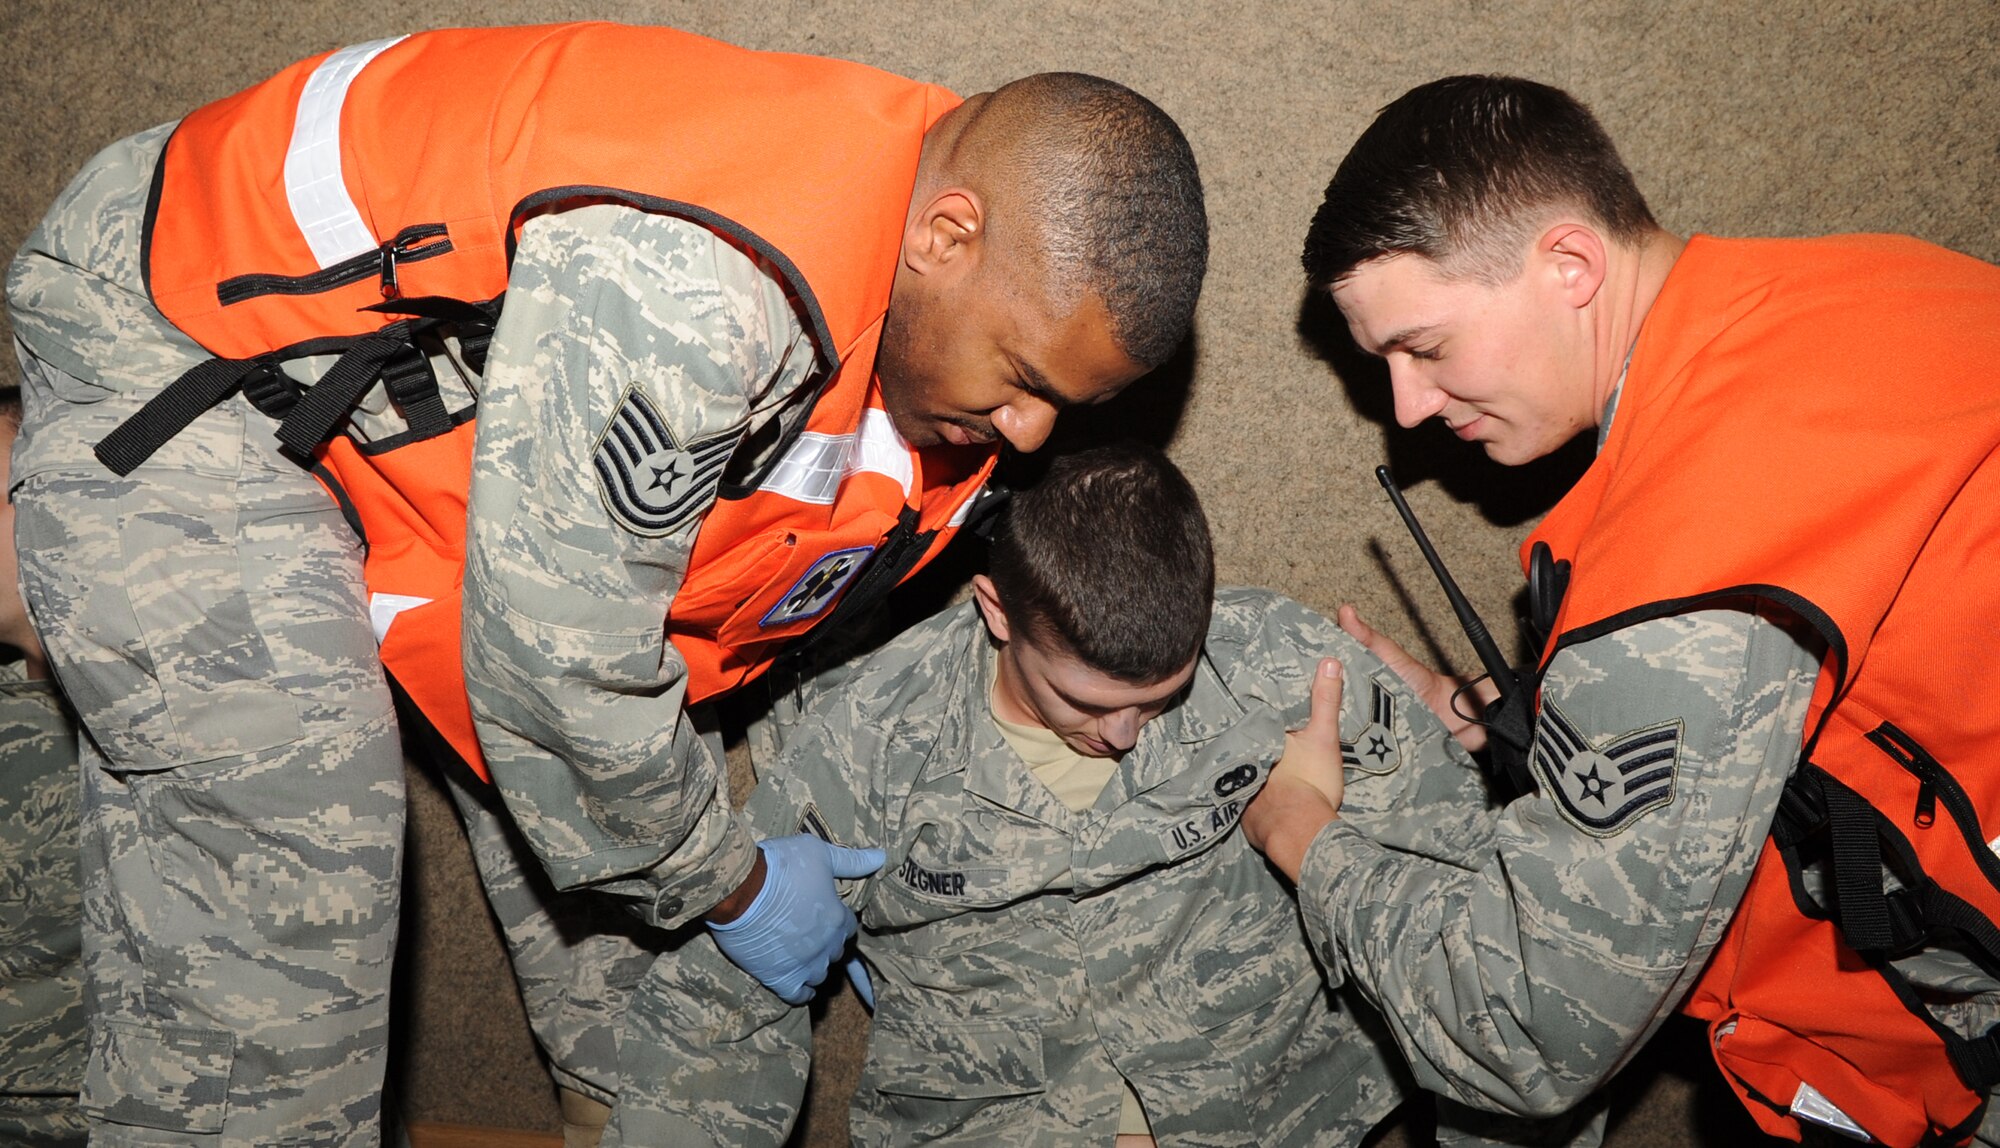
x,y
1117,201
1460,170
1108,558
10,404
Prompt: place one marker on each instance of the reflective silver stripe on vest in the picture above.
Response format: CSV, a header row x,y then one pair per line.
x,y
326,215
964,510
813,468
883,451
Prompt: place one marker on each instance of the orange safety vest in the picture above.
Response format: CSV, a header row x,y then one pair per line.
x,y
1818,423
369,195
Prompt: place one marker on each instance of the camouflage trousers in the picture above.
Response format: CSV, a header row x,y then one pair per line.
x,y
242,795
577,955
41,974
244,804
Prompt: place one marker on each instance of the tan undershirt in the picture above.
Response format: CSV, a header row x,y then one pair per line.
x,y
1076,781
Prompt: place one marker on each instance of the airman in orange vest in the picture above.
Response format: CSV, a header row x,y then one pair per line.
x,y
1764,750
626,359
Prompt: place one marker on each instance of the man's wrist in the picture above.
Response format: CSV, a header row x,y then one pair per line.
x,y
738,902
1283,820
1292,836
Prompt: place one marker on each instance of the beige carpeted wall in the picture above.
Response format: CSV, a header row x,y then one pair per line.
x,y
1780,117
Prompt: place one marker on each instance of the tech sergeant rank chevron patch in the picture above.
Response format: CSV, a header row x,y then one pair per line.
x,y
651,484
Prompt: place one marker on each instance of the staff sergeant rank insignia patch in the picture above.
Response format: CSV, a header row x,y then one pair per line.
x,y
1601,789
1375,750
651,484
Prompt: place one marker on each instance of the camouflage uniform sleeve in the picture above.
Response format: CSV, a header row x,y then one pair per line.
x,y
1523,984
620,328
1410,785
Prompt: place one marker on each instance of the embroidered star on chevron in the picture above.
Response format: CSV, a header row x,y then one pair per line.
x,y
1374,749
1602,788
651,484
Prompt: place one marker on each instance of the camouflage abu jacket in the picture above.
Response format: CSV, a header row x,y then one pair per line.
x,y
1025,958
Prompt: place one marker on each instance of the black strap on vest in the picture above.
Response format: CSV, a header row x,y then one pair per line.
x,y
329,401
169,412
309,416
1857,871
1879,924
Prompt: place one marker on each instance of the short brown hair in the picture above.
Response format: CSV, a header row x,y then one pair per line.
x,y
1460,170
1108,556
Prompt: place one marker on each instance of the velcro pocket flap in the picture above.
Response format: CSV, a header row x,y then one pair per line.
x,y
168,1077
972,1061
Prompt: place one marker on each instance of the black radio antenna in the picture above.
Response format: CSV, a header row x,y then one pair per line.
x,y
1468,618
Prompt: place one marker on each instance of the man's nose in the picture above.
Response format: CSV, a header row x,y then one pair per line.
x,y
1416,398
1025,423
1120,729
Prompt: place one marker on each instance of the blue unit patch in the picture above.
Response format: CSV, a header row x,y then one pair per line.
x,y
1601,789
818,587
1375,749
651,484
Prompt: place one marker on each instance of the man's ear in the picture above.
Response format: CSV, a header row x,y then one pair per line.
x,y
947,234
990,608
1575,257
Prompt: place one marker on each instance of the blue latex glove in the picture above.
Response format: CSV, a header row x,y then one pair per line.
x,y
857,975
796,926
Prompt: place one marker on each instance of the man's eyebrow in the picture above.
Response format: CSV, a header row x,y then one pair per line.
x,y
1401,338
1038,385
1076,703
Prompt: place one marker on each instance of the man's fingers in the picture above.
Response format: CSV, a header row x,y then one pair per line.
x,y
857,975
1381,645
1323,725
851,863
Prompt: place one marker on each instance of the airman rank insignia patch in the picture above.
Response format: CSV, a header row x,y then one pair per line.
x,y
651,484
818,586
1601,789
1374,750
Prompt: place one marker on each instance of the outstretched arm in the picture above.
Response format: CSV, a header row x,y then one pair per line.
x,y
656,333
1522,982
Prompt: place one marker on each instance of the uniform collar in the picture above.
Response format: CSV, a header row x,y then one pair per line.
x,y
970,743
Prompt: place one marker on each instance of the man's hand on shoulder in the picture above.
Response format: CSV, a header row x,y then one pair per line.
x,y
1434,689
1303,793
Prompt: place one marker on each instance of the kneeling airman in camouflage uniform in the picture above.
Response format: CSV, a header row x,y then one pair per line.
x,y
1067,922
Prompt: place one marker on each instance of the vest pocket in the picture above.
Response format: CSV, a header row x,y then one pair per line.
x,y
799,578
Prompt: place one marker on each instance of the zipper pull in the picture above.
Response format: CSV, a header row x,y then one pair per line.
x,y
1926,805
410,242
390,288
